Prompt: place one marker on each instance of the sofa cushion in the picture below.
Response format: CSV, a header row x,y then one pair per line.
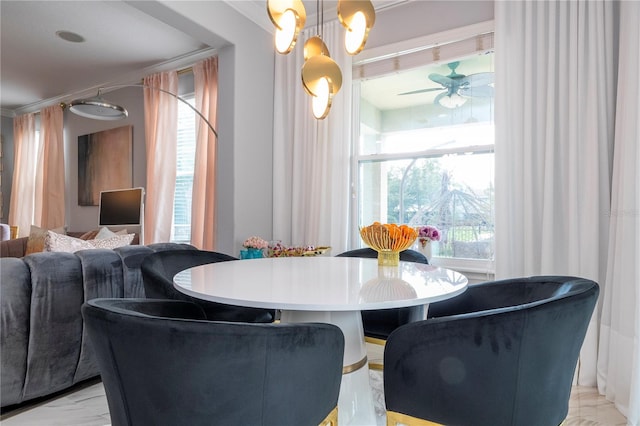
x,y
44,344
15,294
13,248
54,348
102,276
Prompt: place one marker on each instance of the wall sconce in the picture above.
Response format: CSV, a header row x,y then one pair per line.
x,y
289,17
321,75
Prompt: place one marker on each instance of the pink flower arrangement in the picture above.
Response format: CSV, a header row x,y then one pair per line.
x,y
255,242
428,233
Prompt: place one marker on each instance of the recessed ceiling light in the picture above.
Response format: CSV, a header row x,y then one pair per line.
x,y
70,36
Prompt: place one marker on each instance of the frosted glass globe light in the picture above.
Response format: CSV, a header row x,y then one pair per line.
x,y
452,101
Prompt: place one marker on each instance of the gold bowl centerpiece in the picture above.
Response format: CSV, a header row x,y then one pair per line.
x,y
388,239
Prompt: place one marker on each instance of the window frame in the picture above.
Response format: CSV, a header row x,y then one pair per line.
x,y
475,269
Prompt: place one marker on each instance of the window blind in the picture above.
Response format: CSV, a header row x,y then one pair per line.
x,y
444,52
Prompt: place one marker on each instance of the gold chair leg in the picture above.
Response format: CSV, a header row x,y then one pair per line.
x,y
378,342
378,366
375,340
394,419
331,419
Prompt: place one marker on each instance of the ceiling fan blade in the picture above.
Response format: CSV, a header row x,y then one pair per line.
x,y
477,92
421,91
441,79
479,79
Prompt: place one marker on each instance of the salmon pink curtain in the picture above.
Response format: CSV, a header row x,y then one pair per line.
x,y
21,205
203,217
50,188
161,134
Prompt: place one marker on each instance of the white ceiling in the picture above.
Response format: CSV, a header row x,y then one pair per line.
x,y
122,44
37,67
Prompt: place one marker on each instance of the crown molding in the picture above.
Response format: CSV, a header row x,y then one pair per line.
x,y
179,62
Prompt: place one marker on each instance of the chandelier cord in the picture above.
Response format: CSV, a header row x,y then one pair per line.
x,y
320,18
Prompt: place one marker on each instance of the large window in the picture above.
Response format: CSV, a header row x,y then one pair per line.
x,y
185,163
426,158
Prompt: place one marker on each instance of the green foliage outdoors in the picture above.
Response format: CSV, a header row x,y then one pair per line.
x,y
422,192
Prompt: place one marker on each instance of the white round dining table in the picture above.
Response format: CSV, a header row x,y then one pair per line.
x,y
326,289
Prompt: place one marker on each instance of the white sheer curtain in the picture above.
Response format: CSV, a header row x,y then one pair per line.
x,y
21,205
50,189
311,157
161,134
619,354
203,217
555,114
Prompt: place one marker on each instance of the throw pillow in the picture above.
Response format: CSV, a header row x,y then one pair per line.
x,y
113,242
65,243
93,235
105,232
89,235
35,243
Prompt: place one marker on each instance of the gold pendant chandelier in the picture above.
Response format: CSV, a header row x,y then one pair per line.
x,y
321,75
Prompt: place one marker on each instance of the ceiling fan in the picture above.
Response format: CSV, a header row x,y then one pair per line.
x,y
458,87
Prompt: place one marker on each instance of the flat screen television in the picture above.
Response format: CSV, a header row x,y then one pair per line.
x,y
122,207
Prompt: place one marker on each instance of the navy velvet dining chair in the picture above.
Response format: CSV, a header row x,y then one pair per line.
x,y
159,268
501,353
163,364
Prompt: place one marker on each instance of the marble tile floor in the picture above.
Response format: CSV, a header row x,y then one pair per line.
x,y
87,406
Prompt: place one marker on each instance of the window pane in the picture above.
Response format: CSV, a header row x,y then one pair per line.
x,y
185,163
423,162
397,109
452,192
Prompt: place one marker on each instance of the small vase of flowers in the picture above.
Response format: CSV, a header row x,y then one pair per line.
x,y
426,234
253,248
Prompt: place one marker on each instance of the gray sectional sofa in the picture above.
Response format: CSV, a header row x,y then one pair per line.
x,y
44,347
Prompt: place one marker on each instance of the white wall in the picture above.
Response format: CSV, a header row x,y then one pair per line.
x,y
6,129
85,218
245,114
423,17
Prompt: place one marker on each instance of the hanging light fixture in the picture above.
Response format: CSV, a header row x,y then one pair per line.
x,y
321,75
450,100
289,17
358,17
98,108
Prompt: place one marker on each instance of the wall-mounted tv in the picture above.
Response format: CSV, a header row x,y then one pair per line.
x,y
122,207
